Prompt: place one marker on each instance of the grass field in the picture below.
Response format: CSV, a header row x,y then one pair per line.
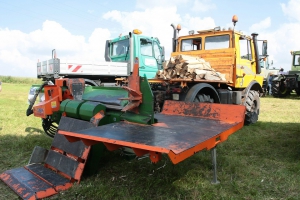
x,y
261,161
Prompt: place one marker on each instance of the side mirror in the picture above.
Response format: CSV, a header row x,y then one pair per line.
x,y
163,51
107,51
265,48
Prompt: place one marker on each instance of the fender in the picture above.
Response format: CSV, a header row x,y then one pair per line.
x,y
198,87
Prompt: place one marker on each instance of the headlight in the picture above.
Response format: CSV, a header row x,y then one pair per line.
x,y
32,92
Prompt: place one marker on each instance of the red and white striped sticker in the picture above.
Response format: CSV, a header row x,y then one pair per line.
x,y
74,68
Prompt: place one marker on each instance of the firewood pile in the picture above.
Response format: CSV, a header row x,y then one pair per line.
x,y
188,67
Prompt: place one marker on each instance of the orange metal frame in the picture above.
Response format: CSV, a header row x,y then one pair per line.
x,y
229,114
53,97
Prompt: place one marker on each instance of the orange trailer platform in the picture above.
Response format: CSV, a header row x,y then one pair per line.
x,y
182,129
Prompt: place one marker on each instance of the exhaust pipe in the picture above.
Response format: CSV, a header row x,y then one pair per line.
x,y
175,36
254,37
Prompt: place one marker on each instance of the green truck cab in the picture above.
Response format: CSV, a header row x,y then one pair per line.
x,y
148,49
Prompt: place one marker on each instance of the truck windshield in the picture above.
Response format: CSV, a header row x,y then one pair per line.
x,y
217,42
120,47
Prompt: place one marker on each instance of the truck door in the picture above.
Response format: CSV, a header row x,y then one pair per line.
x,y
246,64
158,54
148,61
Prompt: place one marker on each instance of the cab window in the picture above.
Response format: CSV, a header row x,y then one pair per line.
x,y
245,48
217,42
146,47
120,47
191,44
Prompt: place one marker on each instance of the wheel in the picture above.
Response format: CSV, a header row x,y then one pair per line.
x,y
49,126
298,89
202,92
252,104
203,98
279,89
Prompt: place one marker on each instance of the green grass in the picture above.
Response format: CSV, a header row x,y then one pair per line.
x,y
21,80
261,161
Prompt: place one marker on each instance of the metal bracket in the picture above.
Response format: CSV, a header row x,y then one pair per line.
x,y
135,95
97,118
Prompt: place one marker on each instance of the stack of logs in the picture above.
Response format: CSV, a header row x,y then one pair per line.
x,y
188,67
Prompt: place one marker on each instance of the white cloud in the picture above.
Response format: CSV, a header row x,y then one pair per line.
x,y
262,25
197,23
281,42
291,9
203,5
19,52
91,11
142,4
158,25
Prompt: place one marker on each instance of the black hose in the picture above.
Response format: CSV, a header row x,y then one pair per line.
x,y
29,110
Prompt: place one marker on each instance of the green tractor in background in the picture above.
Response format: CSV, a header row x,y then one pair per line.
x,y
287,82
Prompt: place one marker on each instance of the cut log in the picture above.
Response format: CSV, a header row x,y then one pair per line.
x,y
188,67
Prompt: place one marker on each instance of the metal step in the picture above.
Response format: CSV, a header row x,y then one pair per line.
x,y
63,166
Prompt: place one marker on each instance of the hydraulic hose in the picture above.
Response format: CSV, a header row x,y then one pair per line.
x,y
29,110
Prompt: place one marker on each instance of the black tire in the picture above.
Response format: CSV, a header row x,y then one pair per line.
x,y
279,89
298,89
252,107
49,127
202,92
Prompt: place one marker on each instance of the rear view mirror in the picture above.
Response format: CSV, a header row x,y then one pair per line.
x,y
163,51
265,48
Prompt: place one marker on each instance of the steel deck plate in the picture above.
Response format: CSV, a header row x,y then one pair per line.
x,y
48,175
26,184
179,134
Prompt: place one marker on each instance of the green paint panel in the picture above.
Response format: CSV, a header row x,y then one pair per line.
x,y
56,116
63,105
72,108
97,153
106,95
113,116
89,109
146,108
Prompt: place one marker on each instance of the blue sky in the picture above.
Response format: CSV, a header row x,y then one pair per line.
x,y
30,29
